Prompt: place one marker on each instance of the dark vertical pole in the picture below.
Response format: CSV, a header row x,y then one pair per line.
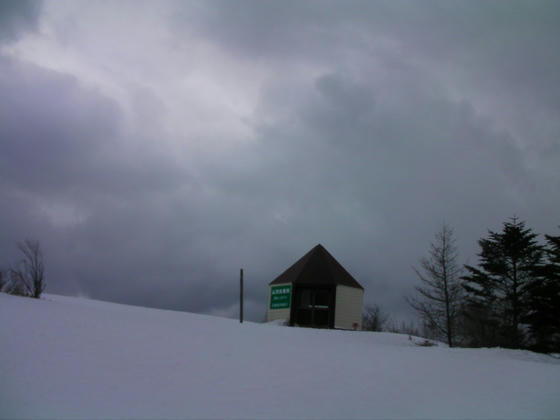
x,y
241,295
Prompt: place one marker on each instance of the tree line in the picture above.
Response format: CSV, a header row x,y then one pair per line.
x,y
511,298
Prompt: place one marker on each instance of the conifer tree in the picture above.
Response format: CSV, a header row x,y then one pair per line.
x,y
497,289
438,296
544,300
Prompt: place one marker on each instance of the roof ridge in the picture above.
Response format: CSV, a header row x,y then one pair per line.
x,y
317,266
296,268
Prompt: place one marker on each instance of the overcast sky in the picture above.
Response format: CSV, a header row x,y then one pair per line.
x,y
155,148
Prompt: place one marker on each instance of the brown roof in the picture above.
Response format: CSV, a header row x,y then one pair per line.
x,y
318,267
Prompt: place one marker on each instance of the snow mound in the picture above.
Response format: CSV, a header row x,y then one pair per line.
x,y
64,357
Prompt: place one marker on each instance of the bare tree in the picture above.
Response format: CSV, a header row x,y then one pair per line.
x,y
374,319
31,271
438,297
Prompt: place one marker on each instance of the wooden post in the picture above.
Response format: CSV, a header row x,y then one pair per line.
x,y
241,295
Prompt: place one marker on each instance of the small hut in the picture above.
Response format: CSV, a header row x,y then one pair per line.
x,y
316,291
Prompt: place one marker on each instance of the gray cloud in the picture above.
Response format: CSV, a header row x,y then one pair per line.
x,y
364,178
367,132
17,16
503,50
49,130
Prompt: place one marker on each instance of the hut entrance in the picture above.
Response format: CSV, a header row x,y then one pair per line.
x,y
314,307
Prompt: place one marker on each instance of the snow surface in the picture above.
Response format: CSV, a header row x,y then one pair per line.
x,y
63,357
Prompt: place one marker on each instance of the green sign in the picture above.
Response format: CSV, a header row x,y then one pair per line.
x,y
280,296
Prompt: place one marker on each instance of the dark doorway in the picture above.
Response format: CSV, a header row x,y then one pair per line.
x,y
313,307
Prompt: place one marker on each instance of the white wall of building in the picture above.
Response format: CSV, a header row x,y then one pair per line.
x,y
348,309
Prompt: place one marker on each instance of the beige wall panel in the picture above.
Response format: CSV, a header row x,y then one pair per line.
x,y
348,309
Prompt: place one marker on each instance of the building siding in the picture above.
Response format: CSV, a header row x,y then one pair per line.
x,y
275,314
348,309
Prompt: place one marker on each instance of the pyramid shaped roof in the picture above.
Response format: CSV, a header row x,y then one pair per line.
x,y
317,267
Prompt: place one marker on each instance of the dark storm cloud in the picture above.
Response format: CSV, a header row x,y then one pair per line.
x,y
373,180
507,47
368,133
50,128
492,30
117,220
68,176
18,16
501,57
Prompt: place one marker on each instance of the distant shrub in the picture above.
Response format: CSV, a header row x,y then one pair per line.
x,y
3,281
16,288
27,277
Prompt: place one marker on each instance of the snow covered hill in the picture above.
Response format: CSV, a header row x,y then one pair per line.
x,y
64,357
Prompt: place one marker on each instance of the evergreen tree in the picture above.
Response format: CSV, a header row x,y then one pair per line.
x,y
544,300
497,289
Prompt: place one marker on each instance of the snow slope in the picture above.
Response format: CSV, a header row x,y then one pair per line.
x,y
64,357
